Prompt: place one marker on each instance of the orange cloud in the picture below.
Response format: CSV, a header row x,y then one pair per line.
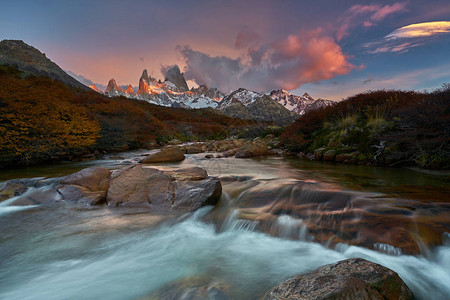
x,y
420,30
283,64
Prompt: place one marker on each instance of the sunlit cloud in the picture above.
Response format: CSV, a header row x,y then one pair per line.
x,y
366,15
407,37
420,30
283,64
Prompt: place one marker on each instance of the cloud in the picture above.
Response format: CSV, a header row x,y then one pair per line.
x,y
283,64
386,10
407,37
420,30
366,15
246,38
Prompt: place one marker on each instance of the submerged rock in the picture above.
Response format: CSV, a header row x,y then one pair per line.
x,y
354,278
167,154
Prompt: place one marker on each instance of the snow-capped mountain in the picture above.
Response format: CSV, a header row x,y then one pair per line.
x,y
279,107
167,93
245,104
299,104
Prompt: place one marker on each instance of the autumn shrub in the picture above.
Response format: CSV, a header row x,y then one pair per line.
x,y
414,126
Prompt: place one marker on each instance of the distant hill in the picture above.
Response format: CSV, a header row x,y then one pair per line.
x,y
32,61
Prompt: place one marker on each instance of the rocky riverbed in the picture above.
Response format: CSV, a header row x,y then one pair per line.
x,y
220,227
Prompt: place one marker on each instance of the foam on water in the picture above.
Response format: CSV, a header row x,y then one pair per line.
x,y
250,262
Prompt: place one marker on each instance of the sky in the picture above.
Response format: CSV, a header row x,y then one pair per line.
x,y
329,49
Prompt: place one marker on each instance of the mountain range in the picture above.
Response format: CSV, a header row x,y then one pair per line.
x,y
280,106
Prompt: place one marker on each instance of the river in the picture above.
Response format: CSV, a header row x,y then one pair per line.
x,y
277,217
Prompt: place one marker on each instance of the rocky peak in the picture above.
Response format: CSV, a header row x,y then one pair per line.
x,y
94,87
112,87
208,92
175,76
144,76
129,90
307,96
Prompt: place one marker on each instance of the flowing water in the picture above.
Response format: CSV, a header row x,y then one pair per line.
x,y
276,218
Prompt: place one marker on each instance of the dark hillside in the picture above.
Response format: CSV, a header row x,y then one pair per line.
x,y
389,128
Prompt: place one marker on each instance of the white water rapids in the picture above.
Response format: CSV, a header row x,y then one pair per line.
x,y
72,253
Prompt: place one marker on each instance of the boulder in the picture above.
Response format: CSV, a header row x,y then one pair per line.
x,y
193,148
318,153
329,155
167,154
93,179
182,189
354,278
253,149
136,185
231,152
88,186
81,195
208,156
194,173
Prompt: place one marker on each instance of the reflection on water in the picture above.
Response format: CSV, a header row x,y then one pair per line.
x,y
276,218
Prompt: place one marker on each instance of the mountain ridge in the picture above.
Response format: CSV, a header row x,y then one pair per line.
x,y
32,61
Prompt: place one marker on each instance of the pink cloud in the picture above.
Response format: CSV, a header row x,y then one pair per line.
x,y
388,10
362,9
284,64
246,38
367,15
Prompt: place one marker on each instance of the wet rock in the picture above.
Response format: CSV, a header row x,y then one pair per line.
x,y
318,153
192,288
136,185
348,279
208,156
329,155
193,148
253,149
194,173
81,195
191,195
11,189
231,152
167,154
93,179
183,189
88,186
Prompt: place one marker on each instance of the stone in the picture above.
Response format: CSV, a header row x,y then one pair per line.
x,y
193,148
136,185
166,154
318,153
231,152
88,186
93,179
253,149
329,155
81,195
183,189
208,156
354,278
194,173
